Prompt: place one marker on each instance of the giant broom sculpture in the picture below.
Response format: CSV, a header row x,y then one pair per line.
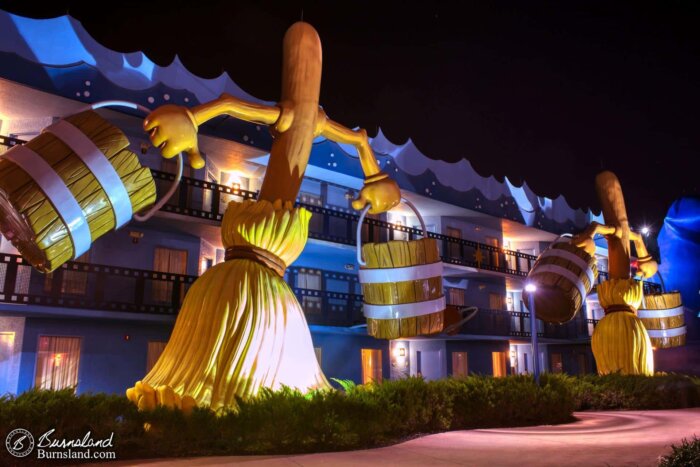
x,y
620,341
240,327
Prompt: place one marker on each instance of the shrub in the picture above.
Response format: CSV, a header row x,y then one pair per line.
x,y
627,392
685,455
288,421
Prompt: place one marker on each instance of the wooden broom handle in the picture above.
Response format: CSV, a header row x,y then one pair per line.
x,y
301,87
615,215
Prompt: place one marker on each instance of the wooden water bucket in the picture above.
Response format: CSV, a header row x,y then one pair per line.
x,y
402,285
70,185
564,274
662,316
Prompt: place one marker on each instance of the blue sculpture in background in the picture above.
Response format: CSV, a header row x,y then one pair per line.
x,y
679,247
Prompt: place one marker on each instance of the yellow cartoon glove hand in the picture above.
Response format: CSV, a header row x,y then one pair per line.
x,y
646,267
173,130
381,192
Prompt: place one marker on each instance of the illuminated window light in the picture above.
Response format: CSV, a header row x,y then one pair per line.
x,y
57,357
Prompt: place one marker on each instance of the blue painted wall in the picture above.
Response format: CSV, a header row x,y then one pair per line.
x,y
570,358
118,249
479,360
108,362
341,354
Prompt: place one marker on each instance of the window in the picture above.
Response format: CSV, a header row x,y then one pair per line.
x,y
155,349
557,364
316,222
310,280
499,364
170,261
460,366
24,274
204,264
57,362
399,222
170,166
319,353
7,351
72,282
453,248
496,301
456,297
337,196
493,241
371,366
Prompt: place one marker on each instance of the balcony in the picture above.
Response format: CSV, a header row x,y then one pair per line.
x,y
135,290
334,300
207,200
92,286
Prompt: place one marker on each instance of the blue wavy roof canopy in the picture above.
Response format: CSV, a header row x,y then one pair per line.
x,y
59,56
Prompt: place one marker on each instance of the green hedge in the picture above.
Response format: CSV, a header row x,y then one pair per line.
x,y
685,455
360,417
618,392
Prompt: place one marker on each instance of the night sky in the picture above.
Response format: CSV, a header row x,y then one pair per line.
x,y
550,93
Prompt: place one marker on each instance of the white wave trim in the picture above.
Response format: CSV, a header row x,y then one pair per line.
x,y
63,41
461,176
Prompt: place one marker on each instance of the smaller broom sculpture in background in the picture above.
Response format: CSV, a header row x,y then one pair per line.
x,y
620,341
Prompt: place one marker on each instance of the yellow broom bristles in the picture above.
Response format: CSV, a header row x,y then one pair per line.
x,y
620,341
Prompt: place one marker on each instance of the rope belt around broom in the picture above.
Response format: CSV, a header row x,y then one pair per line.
x,y
621,307
258,255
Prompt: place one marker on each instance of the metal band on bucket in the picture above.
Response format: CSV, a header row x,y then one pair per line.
x,y
668,313
573,258
408,273
661,333
562,271
100,167
404,310
58,194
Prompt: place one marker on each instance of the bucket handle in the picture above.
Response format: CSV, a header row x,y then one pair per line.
x,y
362,219
132,105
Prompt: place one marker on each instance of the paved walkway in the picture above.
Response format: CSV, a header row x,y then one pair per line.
x,y
636,438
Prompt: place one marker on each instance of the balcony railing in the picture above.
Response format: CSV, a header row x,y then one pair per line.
x,y
92,286
208,200
333,301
